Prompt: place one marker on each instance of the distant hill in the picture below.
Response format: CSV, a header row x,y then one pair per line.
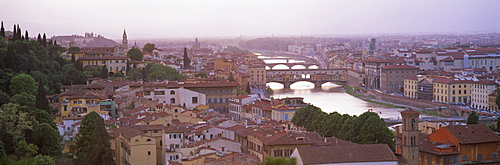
x,y
89,40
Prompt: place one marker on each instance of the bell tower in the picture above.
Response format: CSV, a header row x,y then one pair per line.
x,y
124,40
410,136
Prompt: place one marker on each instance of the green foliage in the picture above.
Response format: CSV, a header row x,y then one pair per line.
x,y
92,142
162,72
24,99
473,118
279,161
47,139
2,149
44,160
269,91
118,74
92,70
235,50
149,47
78,65
201,75
135,54
14,122
368,128
73,76
25,149
104,72
498,125
41,101
240,92
134,74
4,98
23,83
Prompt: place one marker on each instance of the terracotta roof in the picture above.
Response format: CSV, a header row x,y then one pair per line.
x,y
399,67
346,153
470,134
135,110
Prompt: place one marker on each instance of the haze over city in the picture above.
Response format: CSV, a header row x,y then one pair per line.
x,y
201,18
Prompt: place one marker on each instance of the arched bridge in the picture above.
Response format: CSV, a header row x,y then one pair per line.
x,y
290,65
317,76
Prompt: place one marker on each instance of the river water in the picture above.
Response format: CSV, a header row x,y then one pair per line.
x,y
330,98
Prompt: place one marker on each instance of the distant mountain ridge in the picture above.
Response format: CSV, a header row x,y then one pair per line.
x,y
89,40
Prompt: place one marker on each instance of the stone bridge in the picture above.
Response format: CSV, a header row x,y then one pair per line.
x,y
290,65
317,76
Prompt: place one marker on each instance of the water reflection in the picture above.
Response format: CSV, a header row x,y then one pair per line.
x,y
331,97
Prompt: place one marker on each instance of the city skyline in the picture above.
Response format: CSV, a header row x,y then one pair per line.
x,y
198,18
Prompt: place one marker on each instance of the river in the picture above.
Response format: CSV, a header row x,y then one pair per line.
x,y
330,98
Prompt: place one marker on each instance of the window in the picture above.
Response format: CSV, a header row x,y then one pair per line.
x,y
464,158
194,100
494,155
148,140
172,92
149,152
172,101
479,156
155,131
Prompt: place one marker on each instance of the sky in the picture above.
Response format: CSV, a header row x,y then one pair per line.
x,y
226,18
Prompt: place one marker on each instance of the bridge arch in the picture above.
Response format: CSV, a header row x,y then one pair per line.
x,y
298,66
279,66
313,67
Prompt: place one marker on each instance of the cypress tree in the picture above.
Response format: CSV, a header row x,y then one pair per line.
x,y
14,33
79,65
44,41
39,39
26,36
92,142
104,72
73,58
18,33
41,99
2,31
55,42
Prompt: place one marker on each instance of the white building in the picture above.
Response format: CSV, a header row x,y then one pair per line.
x,y
479,93
177,96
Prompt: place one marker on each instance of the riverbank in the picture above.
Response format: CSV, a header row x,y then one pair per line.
x,y
355,91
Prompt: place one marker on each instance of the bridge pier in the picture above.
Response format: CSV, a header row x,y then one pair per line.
x,y
317,85
286,85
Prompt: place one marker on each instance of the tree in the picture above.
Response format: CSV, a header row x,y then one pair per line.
x,y
25,149
473,118
118,74
162,72
79,65
47,140
44,160
374,131
72,75
26,35
73,50
135,54
248,88
279,161
104,72
24,99
23,83
4,98
498,125
230,78
41,101
2,31
201,74
149,47
44,40
92,142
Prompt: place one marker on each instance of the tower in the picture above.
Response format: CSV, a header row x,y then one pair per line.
x,y
186,62
372,45
124,40
410,136
196,45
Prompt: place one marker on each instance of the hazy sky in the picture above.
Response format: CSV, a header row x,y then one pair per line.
x,y
205,18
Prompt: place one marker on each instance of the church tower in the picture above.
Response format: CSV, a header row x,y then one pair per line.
x,y
410,136
186,62
196,45
124,40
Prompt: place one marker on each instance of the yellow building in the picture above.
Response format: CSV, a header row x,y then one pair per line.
x,y
223,64
451,90
252,59
410,87
114,64
492,100
80,102
133,146
257,75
